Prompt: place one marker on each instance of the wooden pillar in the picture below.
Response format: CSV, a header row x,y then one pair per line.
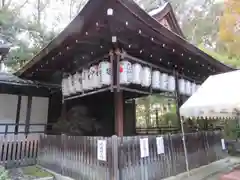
x,y
18,114
118,95
177,97
118,107
28,114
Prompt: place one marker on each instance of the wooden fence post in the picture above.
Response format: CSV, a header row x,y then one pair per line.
x,y
63,149
115,157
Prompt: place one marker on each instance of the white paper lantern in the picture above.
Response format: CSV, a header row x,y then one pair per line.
x,y
93,80
85,85
182,86
171,83
188,87
125,72
65,91
105,72
197,86
164,81
156,75
96,77
78,82
137,70
71,87
146,77
194,86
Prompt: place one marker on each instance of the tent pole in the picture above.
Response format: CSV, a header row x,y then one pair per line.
x,y
185,147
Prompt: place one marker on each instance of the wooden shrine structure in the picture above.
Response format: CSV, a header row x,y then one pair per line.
x,y
116,30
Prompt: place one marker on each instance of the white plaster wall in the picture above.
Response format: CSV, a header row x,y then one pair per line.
x,y
39,113
8,112
8,109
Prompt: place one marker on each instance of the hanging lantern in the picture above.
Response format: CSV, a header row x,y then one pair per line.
x,y
85,80
105,72
92,77
78,82
197,86
71,87
182,88
164,82
96,78
156,80
146,77
188,87
137,70
193,88
171,83
125,72
65,91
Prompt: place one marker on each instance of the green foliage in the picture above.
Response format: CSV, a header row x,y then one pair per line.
x,y
170,118
224,58
34,36
4,174
229,31
35,172
149,107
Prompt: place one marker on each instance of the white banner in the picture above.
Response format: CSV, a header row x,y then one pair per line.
x,y
160,145
144,148
223,144
102,150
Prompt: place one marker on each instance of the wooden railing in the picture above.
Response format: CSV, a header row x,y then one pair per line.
x,y
18,150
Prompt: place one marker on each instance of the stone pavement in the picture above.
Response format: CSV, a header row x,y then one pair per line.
x,y
211,171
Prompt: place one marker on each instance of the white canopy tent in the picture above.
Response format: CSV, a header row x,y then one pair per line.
x,y
218,96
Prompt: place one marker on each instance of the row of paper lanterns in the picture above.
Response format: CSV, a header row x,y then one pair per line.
x,y
98,76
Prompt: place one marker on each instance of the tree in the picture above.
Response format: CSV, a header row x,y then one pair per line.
x,y
27,35
229,31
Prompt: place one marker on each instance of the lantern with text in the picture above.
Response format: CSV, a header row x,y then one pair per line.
x,y
105,72
125,72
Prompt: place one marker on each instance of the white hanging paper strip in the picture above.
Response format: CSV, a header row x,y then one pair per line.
x,y
85,80
223,144
160,145
171,83
182,86
156,75
164,81
71,87
144,147
105,73
137,69
77,82
102,150
125,72
146,77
